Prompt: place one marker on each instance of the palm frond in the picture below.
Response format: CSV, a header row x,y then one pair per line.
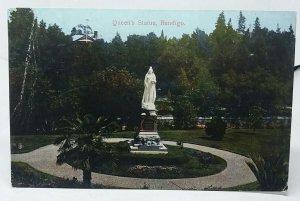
x,y
81,149
271,172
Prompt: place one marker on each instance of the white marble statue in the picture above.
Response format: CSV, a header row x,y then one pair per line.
x,y
149,91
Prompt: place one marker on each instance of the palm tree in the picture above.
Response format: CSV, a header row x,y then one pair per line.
x,y
83,144
271,171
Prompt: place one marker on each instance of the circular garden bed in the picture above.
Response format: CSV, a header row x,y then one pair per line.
x,y
178,163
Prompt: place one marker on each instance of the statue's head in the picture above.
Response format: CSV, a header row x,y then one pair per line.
x,y
150,70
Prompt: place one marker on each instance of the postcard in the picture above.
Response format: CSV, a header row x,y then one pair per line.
x,y
151,99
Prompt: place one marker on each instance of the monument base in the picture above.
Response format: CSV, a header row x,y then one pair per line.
x,y
144,149
148,143
148,140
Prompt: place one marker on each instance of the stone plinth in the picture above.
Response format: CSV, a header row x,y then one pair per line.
x,y
148,139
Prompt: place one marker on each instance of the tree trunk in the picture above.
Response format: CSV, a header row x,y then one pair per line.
x,y
87,177
21,113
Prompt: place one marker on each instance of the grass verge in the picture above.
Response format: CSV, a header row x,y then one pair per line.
x,y
23,175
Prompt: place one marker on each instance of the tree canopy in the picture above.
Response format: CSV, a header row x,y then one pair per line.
x,y
53,77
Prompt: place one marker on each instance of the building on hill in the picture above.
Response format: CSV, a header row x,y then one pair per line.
x,y
84,38
83,33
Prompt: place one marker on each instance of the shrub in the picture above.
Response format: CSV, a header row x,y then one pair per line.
x,y
184,114
122,146
216,128
255,117
271,171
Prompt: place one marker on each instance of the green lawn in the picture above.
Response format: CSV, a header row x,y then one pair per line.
x,y
30,142
23,175
242,141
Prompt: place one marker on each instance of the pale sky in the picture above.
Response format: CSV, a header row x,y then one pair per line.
x,y
103,20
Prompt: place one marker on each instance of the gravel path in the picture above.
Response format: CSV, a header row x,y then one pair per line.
x,y
236,173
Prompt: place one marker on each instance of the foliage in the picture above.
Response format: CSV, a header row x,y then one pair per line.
x,y
228,68
114,93
142,51
117,52
241,24
83,148
33,73
122,146
255,117
271,171
19,27
184,114
216,128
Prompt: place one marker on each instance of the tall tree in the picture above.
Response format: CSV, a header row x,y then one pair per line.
x,y
20,26
241,23
117,52
223,42
137,54
256,25
201,39
221,19
24,48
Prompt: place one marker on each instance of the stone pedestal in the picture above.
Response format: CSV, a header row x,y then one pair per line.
x,y
148,140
